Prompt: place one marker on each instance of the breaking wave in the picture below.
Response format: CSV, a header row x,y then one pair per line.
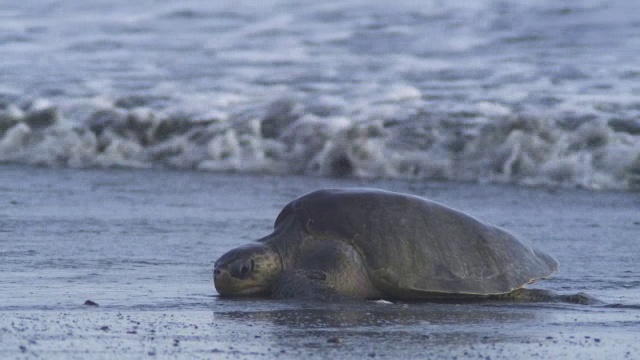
x,y
320,137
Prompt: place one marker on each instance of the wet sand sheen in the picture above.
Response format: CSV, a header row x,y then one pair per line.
x,y
141,244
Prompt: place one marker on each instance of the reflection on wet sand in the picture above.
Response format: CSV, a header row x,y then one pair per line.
x,y
433,323
370,314
412,330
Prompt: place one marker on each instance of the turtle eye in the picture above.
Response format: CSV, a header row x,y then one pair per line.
x,y
243,271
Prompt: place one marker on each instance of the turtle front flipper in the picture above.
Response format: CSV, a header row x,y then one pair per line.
x,y
304,284
325,269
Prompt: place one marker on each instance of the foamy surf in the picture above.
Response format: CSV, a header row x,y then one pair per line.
x,y
293,137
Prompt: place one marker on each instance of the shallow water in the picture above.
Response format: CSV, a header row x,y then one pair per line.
x,y
141,244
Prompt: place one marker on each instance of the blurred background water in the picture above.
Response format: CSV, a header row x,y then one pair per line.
x,y
529,92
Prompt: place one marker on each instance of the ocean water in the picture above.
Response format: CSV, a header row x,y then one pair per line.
x,y
142,244
533,92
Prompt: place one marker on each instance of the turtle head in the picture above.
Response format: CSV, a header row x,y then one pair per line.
x,y
247,270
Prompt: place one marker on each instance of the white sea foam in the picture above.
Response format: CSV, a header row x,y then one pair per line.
x,y
501,148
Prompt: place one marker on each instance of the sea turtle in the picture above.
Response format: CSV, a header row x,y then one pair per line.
x,y
368,243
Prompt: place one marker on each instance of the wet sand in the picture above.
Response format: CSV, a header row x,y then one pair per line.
x,y
290,330
141,244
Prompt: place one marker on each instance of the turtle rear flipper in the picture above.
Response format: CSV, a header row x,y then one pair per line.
x,y
540,295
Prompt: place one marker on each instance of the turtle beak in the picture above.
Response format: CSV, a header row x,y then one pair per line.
x,y
229,280
217,273
222,279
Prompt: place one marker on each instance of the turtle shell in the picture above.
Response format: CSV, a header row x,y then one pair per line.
x,y
413,247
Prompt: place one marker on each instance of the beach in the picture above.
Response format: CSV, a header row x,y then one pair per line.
x,y
141,140
141,245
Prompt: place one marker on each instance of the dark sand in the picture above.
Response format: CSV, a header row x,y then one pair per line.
x,y
141,244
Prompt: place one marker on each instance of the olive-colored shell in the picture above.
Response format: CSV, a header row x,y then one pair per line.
x,y
413,247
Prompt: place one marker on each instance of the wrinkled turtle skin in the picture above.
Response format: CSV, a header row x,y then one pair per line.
x,y
366,243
